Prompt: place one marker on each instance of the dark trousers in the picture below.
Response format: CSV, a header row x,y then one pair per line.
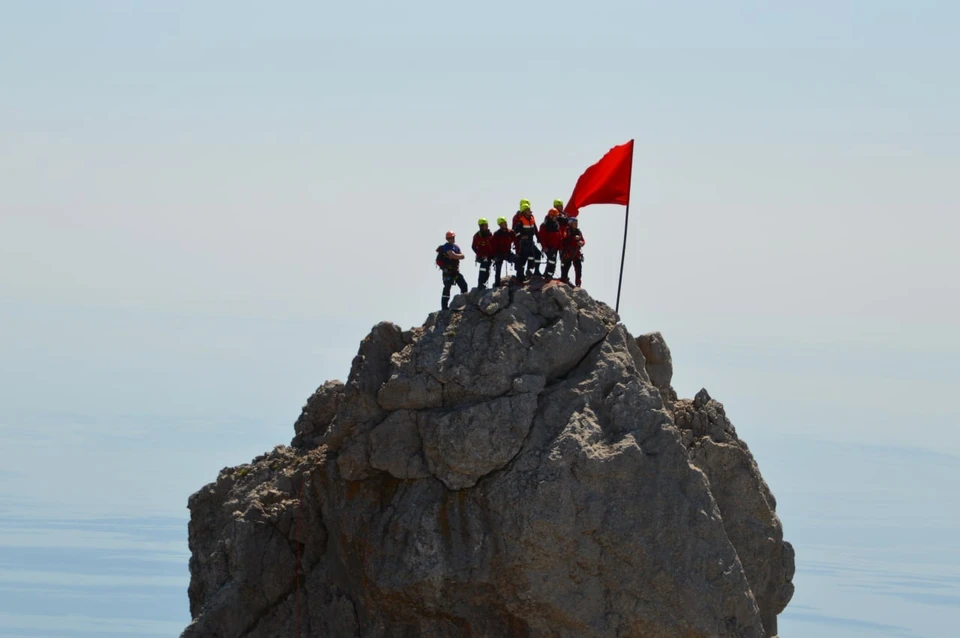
x,y
565,269
451,277
528,259
498,262
552,255
484,272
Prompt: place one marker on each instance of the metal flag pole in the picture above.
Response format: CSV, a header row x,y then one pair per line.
x,y
626,220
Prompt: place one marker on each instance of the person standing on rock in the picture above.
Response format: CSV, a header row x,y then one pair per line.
x,y
571,252
483,249
448,258
551,238
528,256
504,243
562,216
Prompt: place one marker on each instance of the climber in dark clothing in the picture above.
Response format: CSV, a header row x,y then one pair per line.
x,y
483,249
528,256
504,243
448,258
571,252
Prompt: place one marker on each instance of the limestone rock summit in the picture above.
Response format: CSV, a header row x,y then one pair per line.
x,y
517,466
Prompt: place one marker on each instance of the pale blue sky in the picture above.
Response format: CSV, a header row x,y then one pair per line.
x,y
182,182
204,206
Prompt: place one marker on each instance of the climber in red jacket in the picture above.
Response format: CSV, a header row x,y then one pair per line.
x,y
504,243
483,249
551,238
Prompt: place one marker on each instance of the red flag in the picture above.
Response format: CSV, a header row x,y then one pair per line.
x,y
606,182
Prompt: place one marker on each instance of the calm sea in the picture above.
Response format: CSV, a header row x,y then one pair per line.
x,y
93,523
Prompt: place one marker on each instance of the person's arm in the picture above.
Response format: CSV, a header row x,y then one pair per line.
x,y
454,255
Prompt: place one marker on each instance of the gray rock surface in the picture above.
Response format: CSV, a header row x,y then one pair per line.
x,y
317,414
517,466
745,501
659,365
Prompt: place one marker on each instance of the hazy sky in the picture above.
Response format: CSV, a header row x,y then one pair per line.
x,y
204,206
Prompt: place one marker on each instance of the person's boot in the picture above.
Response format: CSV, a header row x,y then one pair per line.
x,y
444,300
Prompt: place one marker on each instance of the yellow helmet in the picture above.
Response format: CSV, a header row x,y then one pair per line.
x,y
558,204
482,221
501,220
524,204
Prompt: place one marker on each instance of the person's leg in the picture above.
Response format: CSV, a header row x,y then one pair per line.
x,y
578,265
523,257
461,282
551,262
445,298
565,270
496,273
535,255
484,273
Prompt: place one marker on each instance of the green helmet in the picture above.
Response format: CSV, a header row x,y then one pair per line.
x,y
501,220
558,203
524,204
482,221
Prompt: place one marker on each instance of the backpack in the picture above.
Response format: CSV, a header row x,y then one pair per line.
x,y
442,260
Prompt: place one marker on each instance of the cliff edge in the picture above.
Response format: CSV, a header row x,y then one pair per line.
x,y
517,466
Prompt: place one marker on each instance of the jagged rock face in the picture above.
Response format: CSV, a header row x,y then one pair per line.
x,y
745,501
519,466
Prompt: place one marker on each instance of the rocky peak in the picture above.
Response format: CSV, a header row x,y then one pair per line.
x,y
518,466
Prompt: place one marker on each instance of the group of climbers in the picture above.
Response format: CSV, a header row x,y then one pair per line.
x,y
559,236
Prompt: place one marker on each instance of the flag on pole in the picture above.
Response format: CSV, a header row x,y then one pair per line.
x,y
606,182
